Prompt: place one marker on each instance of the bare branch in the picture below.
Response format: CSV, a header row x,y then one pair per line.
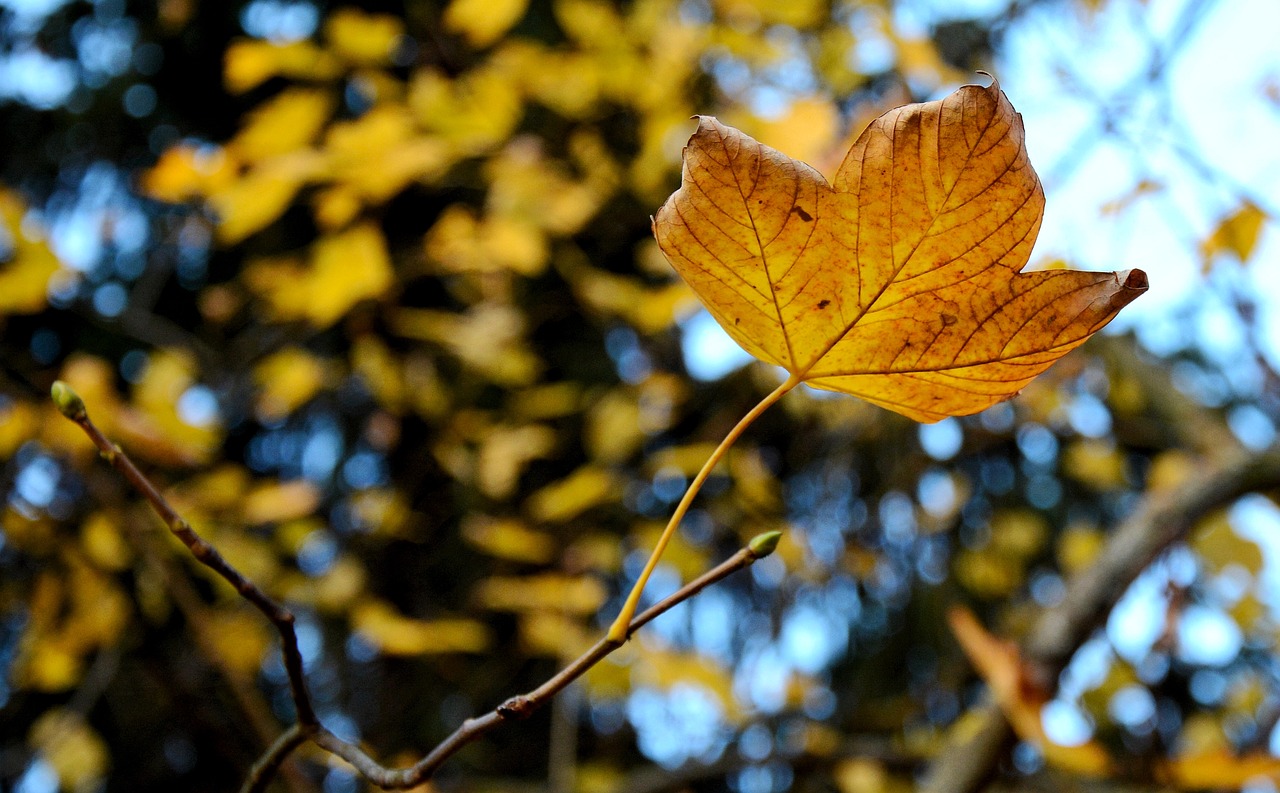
x,y
309,726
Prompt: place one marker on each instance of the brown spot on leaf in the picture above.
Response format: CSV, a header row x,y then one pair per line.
x,y
823,303
805,216
949,320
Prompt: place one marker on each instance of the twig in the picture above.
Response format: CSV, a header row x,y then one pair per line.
x,y
1159,521
308,726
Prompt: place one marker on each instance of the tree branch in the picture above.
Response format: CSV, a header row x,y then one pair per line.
x,y
308,726
1160,520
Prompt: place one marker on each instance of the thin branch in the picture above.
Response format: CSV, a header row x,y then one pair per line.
x,y
309,726
265,769
1160,520
71,406
522,706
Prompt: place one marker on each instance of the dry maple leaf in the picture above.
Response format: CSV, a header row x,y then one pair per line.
x,y
898,282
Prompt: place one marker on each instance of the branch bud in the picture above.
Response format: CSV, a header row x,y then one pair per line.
x,y
762,545
67,401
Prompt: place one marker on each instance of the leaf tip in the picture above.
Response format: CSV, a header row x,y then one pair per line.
x,y
67,401
764,544
1134,279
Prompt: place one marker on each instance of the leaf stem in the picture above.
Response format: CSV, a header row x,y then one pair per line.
x,y
618,630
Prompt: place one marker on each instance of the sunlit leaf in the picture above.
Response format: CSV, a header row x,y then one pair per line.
x,y
76,753
899,281
483,22
587,487
395,634
363,39
1236,234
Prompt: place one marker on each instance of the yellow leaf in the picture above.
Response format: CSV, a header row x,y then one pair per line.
x,y
482,22
1216,542
475,111
1078,547
544,592
241,636
613,432
899,282
395,634
254,201
103,544
380,153
459,243
185,172
379,367
507,538
288,121
587,487
1217,770
277,502
504,453
346,268
287,380
363,39
19,422
1236,234
26,261
250,62
1096,463
489,338
77,754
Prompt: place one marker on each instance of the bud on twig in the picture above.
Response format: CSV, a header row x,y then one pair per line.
x,y
67,400
762,545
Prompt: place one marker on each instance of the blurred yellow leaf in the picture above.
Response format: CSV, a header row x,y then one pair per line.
x,y
1236,234
345,269
395,634
287,380
378,366
688,560
1216,542
250,62
554,634
276,502
587,487
489,338
544,592
241,637
1096,463
19,422
482,22
185,172
378,154
504,453
613,432
1019,533
1078,547
361,38
290,120
26,261
459,243
508,538
103,543
158,396
475,112
255,200
77,754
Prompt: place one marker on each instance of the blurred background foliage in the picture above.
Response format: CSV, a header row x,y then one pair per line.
x,y
371,291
